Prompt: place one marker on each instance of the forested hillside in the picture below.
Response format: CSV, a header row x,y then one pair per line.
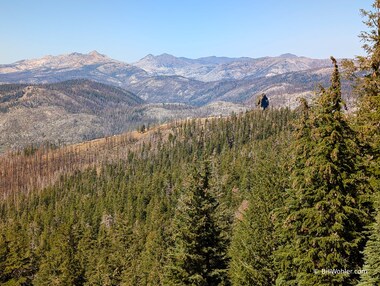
x,y
264,197
117,216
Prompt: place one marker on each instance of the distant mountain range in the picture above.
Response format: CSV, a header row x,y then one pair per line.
x,y
75,97
222,68
170,79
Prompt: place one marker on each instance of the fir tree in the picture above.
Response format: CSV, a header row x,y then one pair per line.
x,y
369,85
367,88
61,265
325,214
253,237
18,257
104,268
199,255
368,124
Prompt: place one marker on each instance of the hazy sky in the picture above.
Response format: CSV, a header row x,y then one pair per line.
x,y
128,30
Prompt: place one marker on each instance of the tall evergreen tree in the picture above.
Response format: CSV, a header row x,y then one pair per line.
x,y
325,213
253,237
18,258
369,85
302,147
199,255
367,88
61,265
368,124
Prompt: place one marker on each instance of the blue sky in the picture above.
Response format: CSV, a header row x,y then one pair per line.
x,y
130,29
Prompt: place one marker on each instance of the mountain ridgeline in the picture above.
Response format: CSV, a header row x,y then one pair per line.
x,y
79,95
169,79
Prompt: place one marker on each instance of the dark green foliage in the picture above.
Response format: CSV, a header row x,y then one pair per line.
x,y
18,260
367,88
199,254
106,257
371,274
322,223
60,264
367,121
253,240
